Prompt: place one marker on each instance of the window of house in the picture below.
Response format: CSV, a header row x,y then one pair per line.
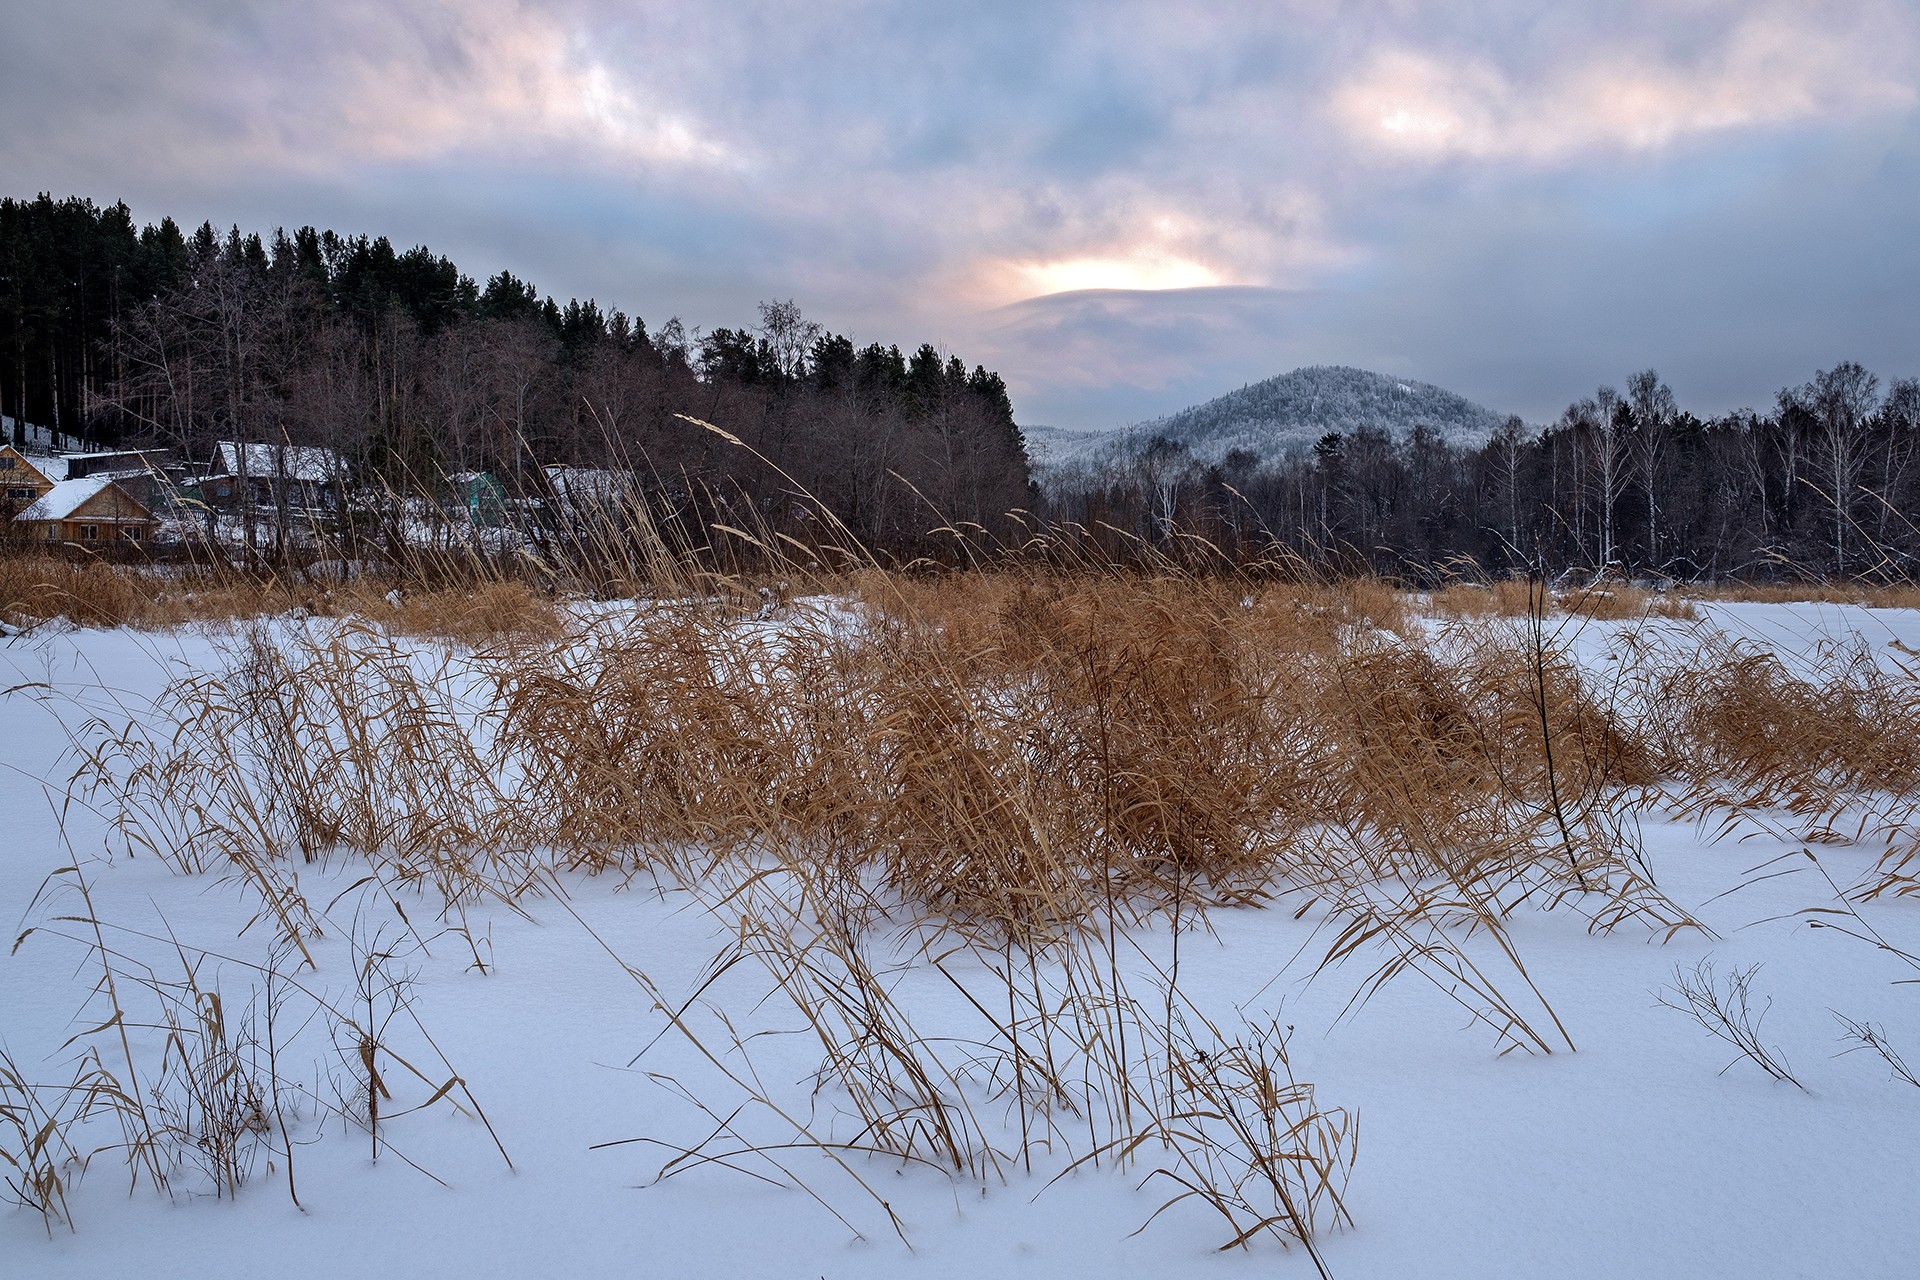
x,y
6,464
20,495
89,532
130,533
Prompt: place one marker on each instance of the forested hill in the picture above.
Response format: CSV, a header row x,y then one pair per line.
x,y
112,334
1295,409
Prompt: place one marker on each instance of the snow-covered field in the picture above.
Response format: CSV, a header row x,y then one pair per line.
x,y
1653,1150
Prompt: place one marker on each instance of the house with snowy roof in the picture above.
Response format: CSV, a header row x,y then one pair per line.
x,y
577,489
271,475
22,478
93,511
147,474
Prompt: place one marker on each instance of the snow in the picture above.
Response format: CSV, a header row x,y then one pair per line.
x,y
39,441
590,486
307,463
65,498
1637,1155
49,469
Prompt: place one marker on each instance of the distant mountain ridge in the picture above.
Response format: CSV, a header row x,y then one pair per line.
x,y
1295,409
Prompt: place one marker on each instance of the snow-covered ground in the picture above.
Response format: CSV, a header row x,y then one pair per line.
x,y
1643,1153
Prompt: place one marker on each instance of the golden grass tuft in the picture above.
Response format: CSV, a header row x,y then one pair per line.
x,y
1896,595
471,608
36,586
488,611
1616,602
1732,715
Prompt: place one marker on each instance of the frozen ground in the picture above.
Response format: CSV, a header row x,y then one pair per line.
x,y
1637,1155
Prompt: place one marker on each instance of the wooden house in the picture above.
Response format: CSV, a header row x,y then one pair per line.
x,y
22,479
94,511
147,474
272,475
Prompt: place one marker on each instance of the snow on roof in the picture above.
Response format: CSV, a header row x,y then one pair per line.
x,y
591,484
308,463
141,457
49,468
68,496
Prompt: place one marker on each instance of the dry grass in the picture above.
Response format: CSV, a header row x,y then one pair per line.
x,y
473,609
488,611
1725,1011
1017,773
35,587
1517,598
1017,755
1828,754
1617,603
189,1074
1501,598
1732,715
1076,1066
1898,595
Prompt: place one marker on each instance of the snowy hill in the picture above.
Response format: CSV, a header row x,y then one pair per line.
x,y
1051,446
1295,409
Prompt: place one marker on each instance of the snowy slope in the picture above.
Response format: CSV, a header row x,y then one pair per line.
x,y
1054,446
1295,409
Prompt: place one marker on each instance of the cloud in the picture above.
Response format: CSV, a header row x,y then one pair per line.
x,y
1141,339
338,88
1119,202
1106,358
398,84
1759,266
1772,66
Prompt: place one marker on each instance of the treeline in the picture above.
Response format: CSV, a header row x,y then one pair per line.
x,y
113,334
1826,484
117,334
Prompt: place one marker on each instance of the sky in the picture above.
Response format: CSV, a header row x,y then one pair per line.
x,y
1124,207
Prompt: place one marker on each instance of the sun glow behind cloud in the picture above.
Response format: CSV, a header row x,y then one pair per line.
x,y
1134,245
1135,271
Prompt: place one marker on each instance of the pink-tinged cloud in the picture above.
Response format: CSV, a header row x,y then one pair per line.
x,y
1772,66
398,84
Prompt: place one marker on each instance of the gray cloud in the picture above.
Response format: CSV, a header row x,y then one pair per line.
x,y
1514,199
